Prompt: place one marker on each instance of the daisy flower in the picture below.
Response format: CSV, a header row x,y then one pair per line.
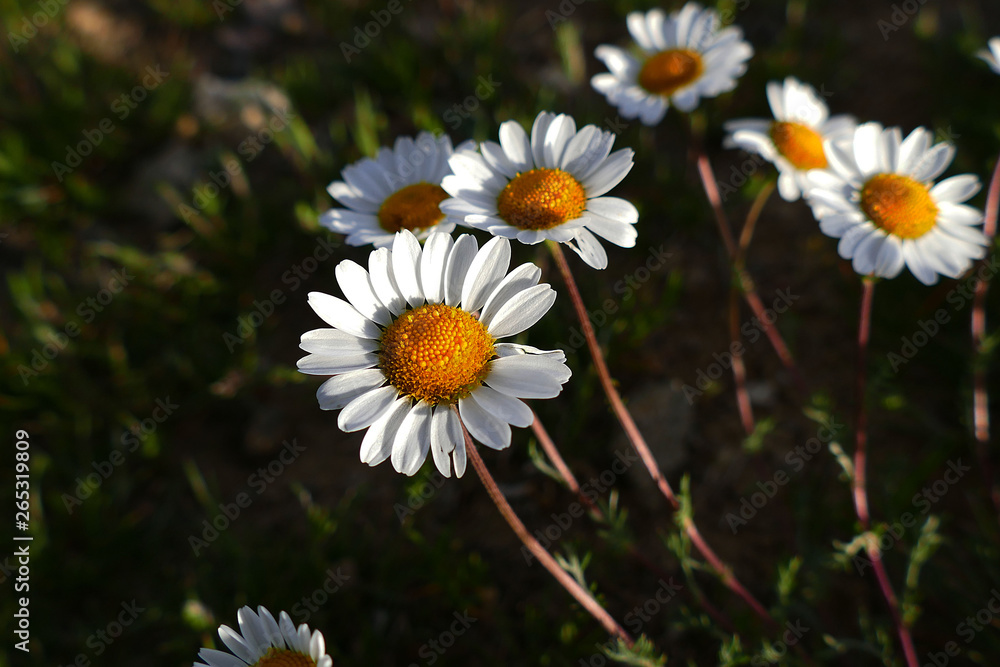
x,y
793,141
419,336
399,189
263,642
992,56
548,187
684,57
878,197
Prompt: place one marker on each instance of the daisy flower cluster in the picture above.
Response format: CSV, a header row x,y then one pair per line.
x,y
419,351
866,185
415,351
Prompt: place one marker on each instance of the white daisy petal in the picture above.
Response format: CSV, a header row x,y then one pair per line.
x,y
221,659
406,267
518,280
495,157
383,281
866,148
619,233
539,130
235,643
463,253
504,407
377,443
866,253
516,145
413,439
484,427
485,273
956,189
340,390
321,364
317,645
366,408
342,315
522,311
590,249
933,163
959,213
916,263
353,199
528,375
609,174
436,251
459,456
354,281
560,132
443,438
334,342
614,208
890,260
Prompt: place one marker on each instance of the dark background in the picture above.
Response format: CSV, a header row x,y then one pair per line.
x,y
197,263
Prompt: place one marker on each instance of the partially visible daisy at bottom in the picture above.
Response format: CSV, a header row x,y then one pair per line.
x,y
399,189
879,198
991,55
793,141
264,642
419,337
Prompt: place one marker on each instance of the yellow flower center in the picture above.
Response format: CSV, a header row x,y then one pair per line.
x,y
436,353
899,205
669,71
541,199
800,145
413,207
284,658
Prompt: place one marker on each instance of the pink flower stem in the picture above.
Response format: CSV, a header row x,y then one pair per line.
x,y
639,443
739,368
980,395
582,596
745,281
560,464
859,483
